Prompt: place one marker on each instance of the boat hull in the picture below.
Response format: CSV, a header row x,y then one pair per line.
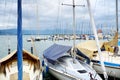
x,y
111,71
31,67
61,75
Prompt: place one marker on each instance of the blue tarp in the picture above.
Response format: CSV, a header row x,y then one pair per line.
x,y
55,51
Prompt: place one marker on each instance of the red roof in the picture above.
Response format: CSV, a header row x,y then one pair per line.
x,y
99,31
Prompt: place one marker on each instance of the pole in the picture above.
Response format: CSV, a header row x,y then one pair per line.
x,y
117,15
74,31
19,39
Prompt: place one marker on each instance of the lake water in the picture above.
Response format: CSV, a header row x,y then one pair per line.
x,y
40,46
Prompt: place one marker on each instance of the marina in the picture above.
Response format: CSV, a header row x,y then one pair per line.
x,y
37,48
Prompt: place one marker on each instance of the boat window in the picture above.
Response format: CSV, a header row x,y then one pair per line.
x,y
61,61
82,71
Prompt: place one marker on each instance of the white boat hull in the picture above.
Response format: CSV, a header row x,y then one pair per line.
x,y
61,75
111,71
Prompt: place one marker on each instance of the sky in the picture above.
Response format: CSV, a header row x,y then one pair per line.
x,y
51,14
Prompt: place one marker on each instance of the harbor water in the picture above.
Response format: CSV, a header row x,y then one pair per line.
x,y
10,42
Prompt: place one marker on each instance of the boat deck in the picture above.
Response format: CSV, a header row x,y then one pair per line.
x,y
108,57
15,76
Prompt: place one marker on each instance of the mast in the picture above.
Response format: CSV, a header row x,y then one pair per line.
x,y
97,41
74,31
19,40
117,21
74,27
117,15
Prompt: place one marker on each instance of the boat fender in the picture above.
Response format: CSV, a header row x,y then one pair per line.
x,y
116,49
43,63
47,68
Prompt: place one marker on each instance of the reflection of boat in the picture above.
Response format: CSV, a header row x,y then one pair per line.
x,y
62,65
31,67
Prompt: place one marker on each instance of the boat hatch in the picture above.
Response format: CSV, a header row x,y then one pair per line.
x,y
82,71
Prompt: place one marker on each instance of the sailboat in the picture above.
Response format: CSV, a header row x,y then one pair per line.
x,y
61,62
110,53
20,64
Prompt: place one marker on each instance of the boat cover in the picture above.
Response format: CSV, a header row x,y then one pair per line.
x,y
89,47
55,51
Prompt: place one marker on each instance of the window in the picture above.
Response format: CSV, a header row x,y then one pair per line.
x,y
82,71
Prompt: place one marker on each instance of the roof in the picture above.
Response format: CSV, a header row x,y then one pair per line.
x,y
55,51
99,31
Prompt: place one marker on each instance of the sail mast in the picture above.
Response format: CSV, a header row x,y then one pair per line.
x,y
117,15
117,20
97,41
19,40
74,29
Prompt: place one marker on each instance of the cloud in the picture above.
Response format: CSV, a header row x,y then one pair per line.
x,y
52,13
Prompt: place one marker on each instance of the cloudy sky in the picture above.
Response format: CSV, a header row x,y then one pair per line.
x,y
50,14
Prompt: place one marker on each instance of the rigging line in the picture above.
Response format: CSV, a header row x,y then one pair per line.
x,y
4,20
37,24
37,16
7,25
94,8
5,13
117,15
62,21
105,14
58,16
32,33
9,17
